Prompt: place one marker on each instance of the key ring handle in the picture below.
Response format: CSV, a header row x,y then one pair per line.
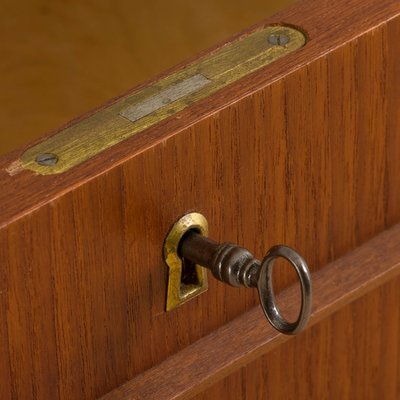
x,y
266,290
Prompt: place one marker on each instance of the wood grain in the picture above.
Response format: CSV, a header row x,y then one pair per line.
x,y
304,152
313,365
248,337
328,26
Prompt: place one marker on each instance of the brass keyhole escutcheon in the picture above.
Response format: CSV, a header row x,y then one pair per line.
x,y
186,279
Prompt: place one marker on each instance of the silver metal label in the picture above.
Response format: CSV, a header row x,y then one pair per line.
x,y
165,97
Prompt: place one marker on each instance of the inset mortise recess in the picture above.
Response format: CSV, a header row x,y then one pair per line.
x,y
185,278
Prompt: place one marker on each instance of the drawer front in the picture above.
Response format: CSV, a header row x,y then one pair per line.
x,y
304,151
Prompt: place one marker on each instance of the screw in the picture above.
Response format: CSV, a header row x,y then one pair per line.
x,y
47,159
278,39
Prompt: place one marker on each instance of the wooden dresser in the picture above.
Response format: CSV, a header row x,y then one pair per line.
x,y
287,132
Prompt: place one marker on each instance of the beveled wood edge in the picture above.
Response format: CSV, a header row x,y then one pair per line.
x,y
327,28
249,336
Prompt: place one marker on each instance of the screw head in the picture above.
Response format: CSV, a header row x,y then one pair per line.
x,y
278,39
47,159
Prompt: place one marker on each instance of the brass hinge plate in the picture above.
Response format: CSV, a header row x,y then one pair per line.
x,y
164,98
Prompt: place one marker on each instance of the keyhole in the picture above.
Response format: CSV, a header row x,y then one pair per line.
x,y
189,274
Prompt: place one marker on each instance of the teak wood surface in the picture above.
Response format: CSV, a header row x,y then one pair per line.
x,y
304,152
247,338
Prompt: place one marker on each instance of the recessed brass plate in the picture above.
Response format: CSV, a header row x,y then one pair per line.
x,y
150,105
178,292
